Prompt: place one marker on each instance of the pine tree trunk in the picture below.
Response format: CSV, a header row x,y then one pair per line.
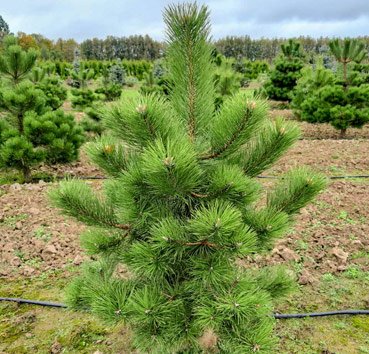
x,y
343,133
20,123
345,83
26,171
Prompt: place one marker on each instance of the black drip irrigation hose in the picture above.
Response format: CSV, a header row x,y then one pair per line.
x,y
33,302
278,316
330,177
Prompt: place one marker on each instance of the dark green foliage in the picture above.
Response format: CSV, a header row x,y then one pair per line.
x,y
343,108
81,74
62,69
292,49
113,79
57,133
20,99
322,97
286,72
111,48
17,152
4,28
55,94
117,74
250,70
181,206
31,133
92,123
359,74
111,92
283,78
83,98
349,50
15,63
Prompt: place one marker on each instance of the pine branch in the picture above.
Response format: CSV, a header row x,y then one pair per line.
x,y
238,120
295,190
141,121
76,199
268,224
110,155
190,66
267,147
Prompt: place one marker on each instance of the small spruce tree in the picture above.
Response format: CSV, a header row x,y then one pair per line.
x,y
181,206
113,79
117,73
4,28
287,70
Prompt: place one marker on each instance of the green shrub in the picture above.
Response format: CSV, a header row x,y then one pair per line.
x,y
111,92
249,70
54,92
92,122
83,98
310,81
343,101
57,133
131,81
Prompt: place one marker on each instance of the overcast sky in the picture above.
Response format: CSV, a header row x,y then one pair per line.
x,y
81,19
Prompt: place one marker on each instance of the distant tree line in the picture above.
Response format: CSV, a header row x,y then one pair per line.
x,y
267,49
144,47
132,47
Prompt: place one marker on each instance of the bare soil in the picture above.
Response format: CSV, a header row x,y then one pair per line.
x,y
330,234
320,131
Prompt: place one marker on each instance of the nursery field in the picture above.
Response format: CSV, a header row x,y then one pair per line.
x,y
327,250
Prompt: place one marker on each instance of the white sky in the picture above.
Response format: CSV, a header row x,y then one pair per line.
x,y
81,19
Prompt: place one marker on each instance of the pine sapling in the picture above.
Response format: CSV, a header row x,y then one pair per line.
x,y
181,206
30,133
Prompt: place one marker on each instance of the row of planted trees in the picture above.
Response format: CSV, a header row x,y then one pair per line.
x,y
324,92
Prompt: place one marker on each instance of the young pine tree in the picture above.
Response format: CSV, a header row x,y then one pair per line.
x,y
29,132
182,205
341,100
287,70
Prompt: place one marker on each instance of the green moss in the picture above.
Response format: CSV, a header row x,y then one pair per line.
x,y
361,322
33,329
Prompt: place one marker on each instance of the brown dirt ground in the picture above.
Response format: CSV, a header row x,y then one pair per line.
x,y
330,236
320,131
331,233
320,147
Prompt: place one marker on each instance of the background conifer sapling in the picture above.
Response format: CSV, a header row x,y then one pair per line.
x,y
29,132
181,206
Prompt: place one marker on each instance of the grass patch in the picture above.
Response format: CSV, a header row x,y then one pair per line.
x,y
32,329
